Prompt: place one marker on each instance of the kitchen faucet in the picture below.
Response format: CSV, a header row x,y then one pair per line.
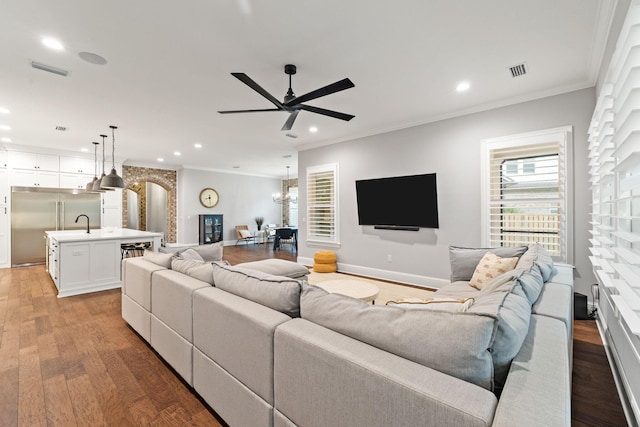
x,y
87,221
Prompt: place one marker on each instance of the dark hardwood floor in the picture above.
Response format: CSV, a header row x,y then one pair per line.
x,y
75,362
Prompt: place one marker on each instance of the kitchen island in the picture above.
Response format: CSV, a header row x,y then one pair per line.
x,y
80,262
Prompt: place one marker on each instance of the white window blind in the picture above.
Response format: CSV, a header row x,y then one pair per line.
x,y
614,160
525,195
322,205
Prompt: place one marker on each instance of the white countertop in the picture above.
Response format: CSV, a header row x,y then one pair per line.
x,y
102,234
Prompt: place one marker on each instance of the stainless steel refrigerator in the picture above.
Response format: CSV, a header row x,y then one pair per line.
x,y
36,210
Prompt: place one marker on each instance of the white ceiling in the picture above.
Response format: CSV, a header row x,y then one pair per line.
x,y
168,69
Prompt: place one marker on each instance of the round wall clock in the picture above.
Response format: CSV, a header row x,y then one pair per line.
x,y
209,197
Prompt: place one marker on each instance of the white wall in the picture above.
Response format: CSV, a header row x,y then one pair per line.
x,y
242,198
450,148
156,208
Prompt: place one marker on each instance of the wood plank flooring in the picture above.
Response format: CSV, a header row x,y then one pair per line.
x,y
75,362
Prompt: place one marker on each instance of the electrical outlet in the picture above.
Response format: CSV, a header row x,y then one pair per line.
x,y
389,258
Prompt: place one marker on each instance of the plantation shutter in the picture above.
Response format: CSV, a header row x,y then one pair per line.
x,y
527,193
322,204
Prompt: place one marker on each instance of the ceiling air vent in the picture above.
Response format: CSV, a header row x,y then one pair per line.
x,y
518,70
49,68
61,128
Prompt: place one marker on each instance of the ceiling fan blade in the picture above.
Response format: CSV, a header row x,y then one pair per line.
x,y
292,118
249,111
330,113
323,91
255,86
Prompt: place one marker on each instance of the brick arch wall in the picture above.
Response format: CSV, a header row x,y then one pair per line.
x,y
166,179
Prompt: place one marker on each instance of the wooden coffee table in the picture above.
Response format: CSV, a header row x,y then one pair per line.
x,y
352,288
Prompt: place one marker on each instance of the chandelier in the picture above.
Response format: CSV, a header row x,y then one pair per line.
x,y
286,197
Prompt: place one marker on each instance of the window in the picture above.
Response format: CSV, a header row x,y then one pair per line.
x,y
528,202
293,207
322,204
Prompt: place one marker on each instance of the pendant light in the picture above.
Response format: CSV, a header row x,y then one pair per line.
x,y
97,186
286,197
112,180
95,167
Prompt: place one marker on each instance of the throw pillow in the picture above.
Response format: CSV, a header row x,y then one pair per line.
x,y
490,267
212,252
191,254
163,260
464,260
245,233
443,304
193,268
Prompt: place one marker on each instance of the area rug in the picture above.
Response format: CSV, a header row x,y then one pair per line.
x,y
388,291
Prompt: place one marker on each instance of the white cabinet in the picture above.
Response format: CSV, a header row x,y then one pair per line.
x,y
31,178
5,191
87,267
4,158
77,165
112,208
74,180
52,261
4,236
34,161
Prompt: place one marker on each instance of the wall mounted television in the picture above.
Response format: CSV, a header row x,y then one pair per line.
x,y
398,203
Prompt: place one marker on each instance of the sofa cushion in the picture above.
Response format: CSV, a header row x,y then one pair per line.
x,y
191,254
514,312
212,252
453,343
159,258
490,267
538,255
464,260
193,268
277,267
532,283
276,292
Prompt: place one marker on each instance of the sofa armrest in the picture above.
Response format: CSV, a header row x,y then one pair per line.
x,y
538,388
322,377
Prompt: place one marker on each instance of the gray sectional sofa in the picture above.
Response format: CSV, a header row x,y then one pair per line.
x,y
265,350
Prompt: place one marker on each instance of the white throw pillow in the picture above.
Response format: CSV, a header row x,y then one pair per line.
x,y
490,267
245,233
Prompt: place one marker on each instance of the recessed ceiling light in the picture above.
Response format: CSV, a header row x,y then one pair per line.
x,y
5,139
84,150
160,159
92,58
197,145
313,129
176,153
52,44
5,127
4,110
462,86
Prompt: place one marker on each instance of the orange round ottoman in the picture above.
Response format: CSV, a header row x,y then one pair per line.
x,y
324,262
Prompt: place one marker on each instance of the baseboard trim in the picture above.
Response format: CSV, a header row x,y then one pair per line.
x,y
392,276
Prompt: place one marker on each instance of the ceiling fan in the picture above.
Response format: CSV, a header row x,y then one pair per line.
x,y
293,104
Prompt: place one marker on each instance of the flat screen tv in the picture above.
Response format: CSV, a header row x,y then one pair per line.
x,y
402,202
